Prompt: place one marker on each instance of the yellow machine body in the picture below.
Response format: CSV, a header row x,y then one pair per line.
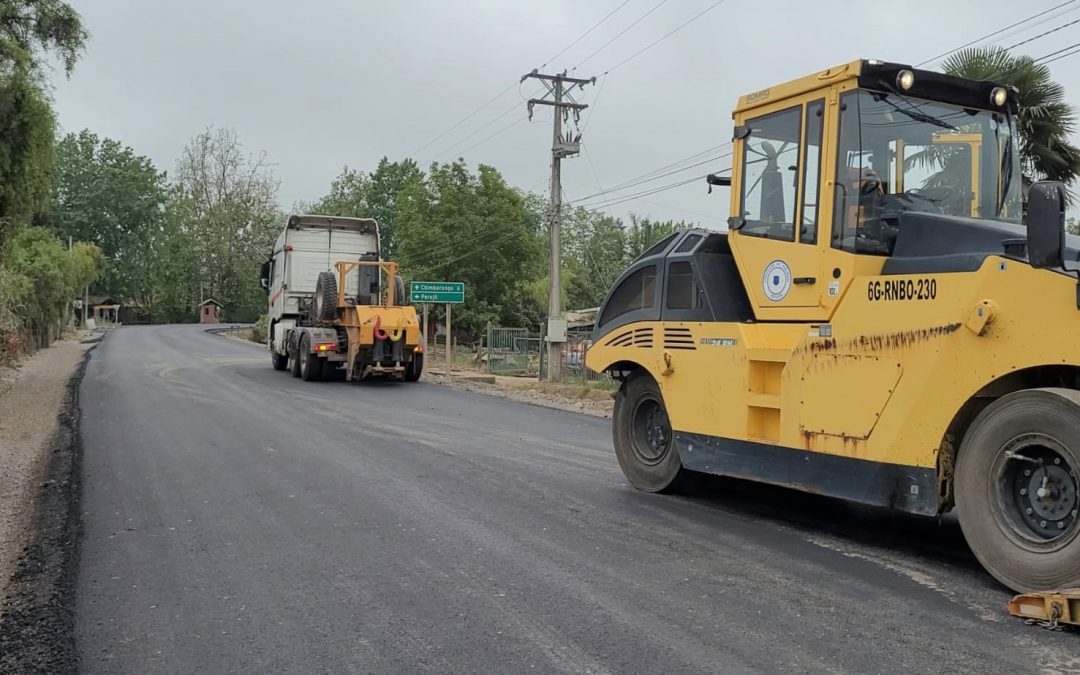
x,y
364,324
856,381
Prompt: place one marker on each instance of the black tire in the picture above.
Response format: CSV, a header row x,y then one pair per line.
x,y
414,368
1020,516
294,361
399,292
325,301
280,361
310,365
644,442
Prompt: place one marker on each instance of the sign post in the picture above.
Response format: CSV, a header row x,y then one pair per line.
x,y
449,357
447,292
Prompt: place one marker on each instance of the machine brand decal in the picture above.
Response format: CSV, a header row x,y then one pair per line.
x,y
776,280
757,96
720,342
902,289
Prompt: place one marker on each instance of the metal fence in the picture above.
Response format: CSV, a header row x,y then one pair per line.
x,y
512,351
573,358
518,351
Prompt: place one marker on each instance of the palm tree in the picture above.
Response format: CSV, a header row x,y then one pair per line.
x,y
1044,120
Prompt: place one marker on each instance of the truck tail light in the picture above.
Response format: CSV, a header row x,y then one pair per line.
x,y
328,347
418,349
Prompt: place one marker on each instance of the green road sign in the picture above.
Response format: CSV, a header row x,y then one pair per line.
x,y
437,291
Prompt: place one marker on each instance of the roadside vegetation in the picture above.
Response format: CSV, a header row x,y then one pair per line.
x,y
161,242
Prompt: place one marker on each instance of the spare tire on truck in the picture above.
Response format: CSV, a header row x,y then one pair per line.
x,y
325,302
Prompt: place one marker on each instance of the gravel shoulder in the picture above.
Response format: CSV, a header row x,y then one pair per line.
x,y
38,415
572,398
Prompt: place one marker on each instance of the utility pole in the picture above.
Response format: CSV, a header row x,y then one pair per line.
x,y
562,146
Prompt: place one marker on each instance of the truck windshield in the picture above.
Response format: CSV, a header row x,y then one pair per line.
x,y
899,154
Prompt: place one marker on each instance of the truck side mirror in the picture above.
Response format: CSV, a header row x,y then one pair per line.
x,y
1046,225
264,275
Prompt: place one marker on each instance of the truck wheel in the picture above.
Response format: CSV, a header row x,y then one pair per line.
x,y
310,365
325,301
414,368
294,361
280,361
644,442
399,292
1017,491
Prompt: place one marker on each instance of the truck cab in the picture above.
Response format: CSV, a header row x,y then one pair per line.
x,y
335,307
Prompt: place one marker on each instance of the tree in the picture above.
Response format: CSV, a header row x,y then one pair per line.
x,y
354,193
226,211
27,137
1044,120
47,278
347,196
594,255
644,232
108,195
460,226
30,28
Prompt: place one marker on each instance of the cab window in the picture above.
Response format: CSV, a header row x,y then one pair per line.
x,y
682,287
637,291
815,125
899,155
770,171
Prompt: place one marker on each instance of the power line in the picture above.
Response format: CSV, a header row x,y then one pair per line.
x,y
637,183
504,91
1058,58
620,34
463,120
1035,24
600,90
488,138
1046,56
997,32
631,197
582,36
1024,42
666,35
501,115
696,155
496,240
596,175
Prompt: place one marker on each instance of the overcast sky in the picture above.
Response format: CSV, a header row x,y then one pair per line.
x,y
325,83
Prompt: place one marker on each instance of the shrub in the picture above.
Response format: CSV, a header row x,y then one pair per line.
x,y
44,280
259,329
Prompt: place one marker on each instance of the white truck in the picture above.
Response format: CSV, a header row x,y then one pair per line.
x,y
335,306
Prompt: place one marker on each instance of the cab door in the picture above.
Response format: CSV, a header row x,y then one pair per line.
x,y
776,197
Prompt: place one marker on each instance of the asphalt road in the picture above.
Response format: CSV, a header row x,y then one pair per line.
x,y
240,520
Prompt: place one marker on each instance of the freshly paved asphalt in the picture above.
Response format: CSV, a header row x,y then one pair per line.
x,y
240,520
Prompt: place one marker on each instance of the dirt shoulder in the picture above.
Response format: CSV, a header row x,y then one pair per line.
x,y
582,398
38,504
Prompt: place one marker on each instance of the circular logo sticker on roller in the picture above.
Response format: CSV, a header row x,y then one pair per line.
x,y
777,280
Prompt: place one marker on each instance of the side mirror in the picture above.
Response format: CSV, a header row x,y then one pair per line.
x,y
264,275
1046,225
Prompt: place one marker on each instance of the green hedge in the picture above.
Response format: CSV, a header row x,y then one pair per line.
x,y
39,279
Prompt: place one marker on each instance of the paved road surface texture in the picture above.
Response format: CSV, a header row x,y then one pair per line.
x,y
239,520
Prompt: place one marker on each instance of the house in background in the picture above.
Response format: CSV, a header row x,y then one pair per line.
x,y
209,311
103,308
